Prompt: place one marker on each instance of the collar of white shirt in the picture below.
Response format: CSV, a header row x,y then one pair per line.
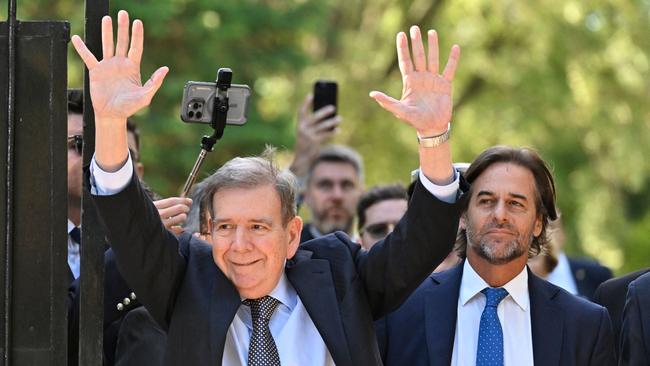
x,y
284,293
70,226
472,284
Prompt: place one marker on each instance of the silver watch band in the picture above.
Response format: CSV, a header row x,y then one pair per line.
x,y
433,141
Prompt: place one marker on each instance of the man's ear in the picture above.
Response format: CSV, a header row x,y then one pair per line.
x,y
537,229
294,228
462,224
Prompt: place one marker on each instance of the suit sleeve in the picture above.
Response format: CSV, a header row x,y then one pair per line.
x,y
603,350
633,343
148,256
394,267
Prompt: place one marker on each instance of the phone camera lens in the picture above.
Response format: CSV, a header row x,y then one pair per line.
x,y
199,115
195,105
190,114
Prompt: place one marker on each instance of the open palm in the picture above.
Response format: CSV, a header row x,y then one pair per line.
x,y
426,102
115,84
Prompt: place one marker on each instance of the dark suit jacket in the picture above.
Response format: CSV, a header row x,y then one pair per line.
x,y
566,330
635,331
342,287
588,275
611,294
115,291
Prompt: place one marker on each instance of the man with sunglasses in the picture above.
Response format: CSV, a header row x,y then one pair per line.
x,y
379,210
130,334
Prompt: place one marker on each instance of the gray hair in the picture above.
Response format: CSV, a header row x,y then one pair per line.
x,y
253,172
338,154
194,222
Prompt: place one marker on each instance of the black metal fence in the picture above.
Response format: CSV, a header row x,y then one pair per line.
x,y
33,244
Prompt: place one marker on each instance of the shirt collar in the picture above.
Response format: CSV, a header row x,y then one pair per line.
x,y
70,226
284,293
472,284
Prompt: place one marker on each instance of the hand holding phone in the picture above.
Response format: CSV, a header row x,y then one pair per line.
x,y
325,93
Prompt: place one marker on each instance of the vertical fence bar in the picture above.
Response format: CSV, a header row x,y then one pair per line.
x,y
11,90
92,254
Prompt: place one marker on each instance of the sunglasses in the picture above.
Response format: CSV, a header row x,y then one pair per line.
x,y
378,230
76,142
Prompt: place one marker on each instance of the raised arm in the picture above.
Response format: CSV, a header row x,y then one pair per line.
x,y
426,103
115,87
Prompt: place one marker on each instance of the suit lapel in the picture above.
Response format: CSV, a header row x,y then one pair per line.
x,y
313,282
224,303
440,313
546,319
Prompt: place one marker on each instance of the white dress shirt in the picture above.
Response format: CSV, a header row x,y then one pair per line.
x,y
562,276
74,258
296,337
514,316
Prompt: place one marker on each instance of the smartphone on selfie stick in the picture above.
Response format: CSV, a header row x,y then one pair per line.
x,y
216,104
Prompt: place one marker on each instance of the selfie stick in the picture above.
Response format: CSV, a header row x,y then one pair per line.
x,y
219,117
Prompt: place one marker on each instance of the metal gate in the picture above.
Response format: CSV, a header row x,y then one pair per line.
x,y
33,193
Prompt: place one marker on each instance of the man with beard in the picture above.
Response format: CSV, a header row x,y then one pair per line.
x,y
491,310
334,185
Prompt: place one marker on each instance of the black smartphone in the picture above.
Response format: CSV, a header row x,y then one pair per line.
x,y
198,102
324,94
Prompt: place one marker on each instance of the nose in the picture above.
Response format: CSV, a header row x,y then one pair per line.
x,y
337,192
240,240
500,212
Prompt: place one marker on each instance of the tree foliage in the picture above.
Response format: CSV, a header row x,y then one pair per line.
x,y
569,78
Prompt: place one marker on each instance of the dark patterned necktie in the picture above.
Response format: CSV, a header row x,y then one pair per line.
x,y
262,350
75,234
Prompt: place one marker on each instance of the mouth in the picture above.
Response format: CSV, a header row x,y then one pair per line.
x,y
500,232
245,264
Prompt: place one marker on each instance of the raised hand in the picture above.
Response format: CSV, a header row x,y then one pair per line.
x,y
115,84
426,102
312,129
173,212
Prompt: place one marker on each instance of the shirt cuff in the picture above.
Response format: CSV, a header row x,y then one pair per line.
x,y
103,183
447,193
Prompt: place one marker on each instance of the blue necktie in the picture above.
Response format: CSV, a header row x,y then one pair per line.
x,y
490,336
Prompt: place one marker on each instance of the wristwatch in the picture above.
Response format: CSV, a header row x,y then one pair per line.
x,y
433,141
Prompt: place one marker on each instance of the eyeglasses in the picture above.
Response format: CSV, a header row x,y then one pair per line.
x,y
379,230
76,142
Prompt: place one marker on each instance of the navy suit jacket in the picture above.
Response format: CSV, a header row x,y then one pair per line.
x,y
635,332
588,275
342,287
566,330
611,295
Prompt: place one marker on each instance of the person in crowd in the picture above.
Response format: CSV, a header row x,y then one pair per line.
x,y
148,342
256,293
378,212
635,330
333,186
491,310
579,276
611,294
